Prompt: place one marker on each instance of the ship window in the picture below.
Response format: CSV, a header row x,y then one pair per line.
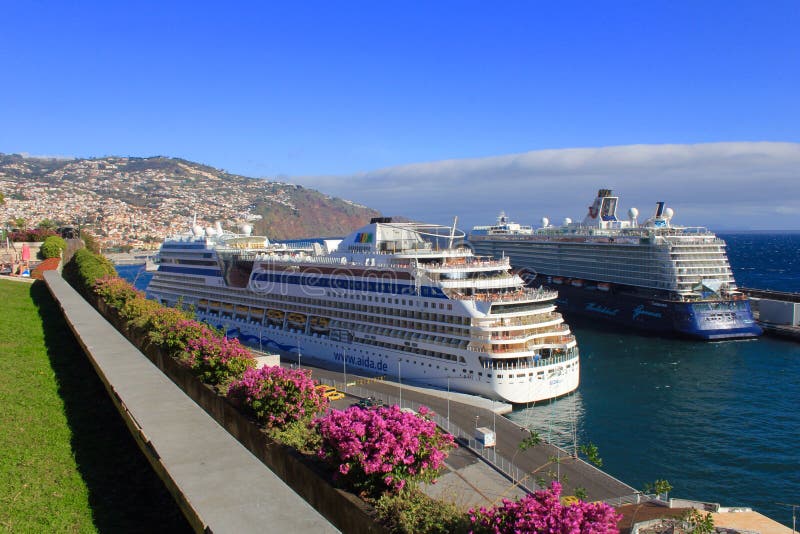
x,y
489,375
499,376
426,304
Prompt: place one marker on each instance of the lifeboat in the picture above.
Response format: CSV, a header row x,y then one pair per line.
x,y
558,280
298,320
213,304
275,316
202,302
228,306
577,283
319,323
604,286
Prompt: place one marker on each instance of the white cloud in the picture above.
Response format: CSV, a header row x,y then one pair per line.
x,y
741,185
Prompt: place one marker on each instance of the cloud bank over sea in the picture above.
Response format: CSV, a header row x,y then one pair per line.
x,y
736,185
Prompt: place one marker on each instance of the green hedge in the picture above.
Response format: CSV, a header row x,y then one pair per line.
x,y
84,269
52,247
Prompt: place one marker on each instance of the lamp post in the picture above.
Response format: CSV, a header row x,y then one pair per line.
x,y
260,335
400,381
344,367
298,356
448,403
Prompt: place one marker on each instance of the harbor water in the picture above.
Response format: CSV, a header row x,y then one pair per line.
x,y
720,421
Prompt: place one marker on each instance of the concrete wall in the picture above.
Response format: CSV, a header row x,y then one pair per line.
x,y
779,312
307,477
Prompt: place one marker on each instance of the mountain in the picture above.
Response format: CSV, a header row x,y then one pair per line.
x,y
126,200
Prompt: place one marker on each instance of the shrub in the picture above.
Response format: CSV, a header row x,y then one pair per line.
x,y
115,291
544,512
384,448
52,247
35,235
410,511
85,268
216,361
278,396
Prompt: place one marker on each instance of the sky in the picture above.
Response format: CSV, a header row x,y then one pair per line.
x,y
430,109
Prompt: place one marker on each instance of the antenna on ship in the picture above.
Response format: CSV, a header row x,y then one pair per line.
x,y
453,232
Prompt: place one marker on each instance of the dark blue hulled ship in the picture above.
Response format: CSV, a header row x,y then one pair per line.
x,y
655,275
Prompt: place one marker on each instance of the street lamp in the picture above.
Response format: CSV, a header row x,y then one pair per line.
x,y
400,381
448,403
298,356
344,367
260,335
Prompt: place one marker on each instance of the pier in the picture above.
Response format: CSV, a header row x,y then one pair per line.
x,y
777,312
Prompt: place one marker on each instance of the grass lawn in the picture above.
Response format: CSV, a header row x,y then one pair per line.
x,y
67,461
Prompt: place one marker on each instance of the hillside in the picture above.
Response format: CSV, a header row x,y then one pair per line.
x,y
141,200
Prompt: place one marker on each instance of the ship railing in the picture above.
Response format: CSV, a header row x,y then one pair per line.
x,y
531,320
465,267
499,336
519,295
503,365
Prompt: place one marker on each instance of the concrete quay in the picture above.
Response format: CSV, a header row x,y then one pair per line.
x,y
219,485
777,312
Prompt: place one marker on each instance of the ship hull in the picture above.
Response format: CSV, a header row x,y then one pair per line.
x,y
706,320
513,386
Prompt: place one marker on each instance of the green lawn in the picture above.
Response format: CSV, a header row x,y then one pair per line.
x,y
67,461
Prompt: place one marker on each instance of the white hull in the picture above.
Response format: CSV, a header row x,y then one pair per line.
x,y
508,386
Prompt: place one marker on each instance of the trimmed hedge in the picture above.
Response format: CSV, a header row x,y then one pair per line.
x,y
52,247
84,269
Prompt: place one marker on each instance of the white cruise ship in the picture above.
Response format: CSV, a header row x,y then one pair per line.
x,y
385,300
654,276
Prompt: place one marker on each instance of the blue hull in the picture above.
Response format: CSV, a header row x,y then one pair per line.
x,y
708,320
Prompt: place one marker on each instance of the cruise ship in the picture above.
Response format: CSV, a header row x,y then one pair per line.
x,y
392,299
656,276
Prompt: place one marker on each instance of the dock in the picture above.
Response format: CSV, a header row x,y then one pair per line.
x,y
777,312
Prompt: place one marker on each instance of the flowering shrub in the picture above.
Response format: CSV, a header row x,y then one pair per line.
x,y
278,396
543,512
384,448
115,291
32,235
217,361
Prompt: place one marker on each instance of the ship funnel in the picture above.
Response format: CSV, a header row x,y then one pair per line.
x,y
659,209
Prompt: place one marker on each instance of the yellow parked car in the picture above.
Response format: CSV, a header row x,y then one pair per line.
x,y
334,395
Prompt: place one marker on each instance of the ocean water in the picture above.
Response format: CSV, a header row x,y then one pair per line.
x,y
720,421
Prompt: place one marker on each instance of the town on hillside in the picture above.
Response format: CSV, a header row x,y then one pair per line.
x,y
136,202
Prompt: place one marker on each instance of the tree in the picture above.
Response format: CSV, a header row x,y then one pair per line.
x,y
592,454
532,440
659,487
46,224
2,199
91,242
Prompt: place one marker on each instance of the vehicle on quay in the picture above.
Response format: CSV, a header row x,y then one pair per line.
x,y
393,298
655,276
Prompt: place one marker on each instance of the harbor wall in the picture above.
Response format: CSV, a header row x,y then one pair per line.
x,y
779,312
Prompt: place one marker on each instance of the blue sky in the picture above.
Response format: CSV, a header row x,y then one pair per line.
x,y
337,90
